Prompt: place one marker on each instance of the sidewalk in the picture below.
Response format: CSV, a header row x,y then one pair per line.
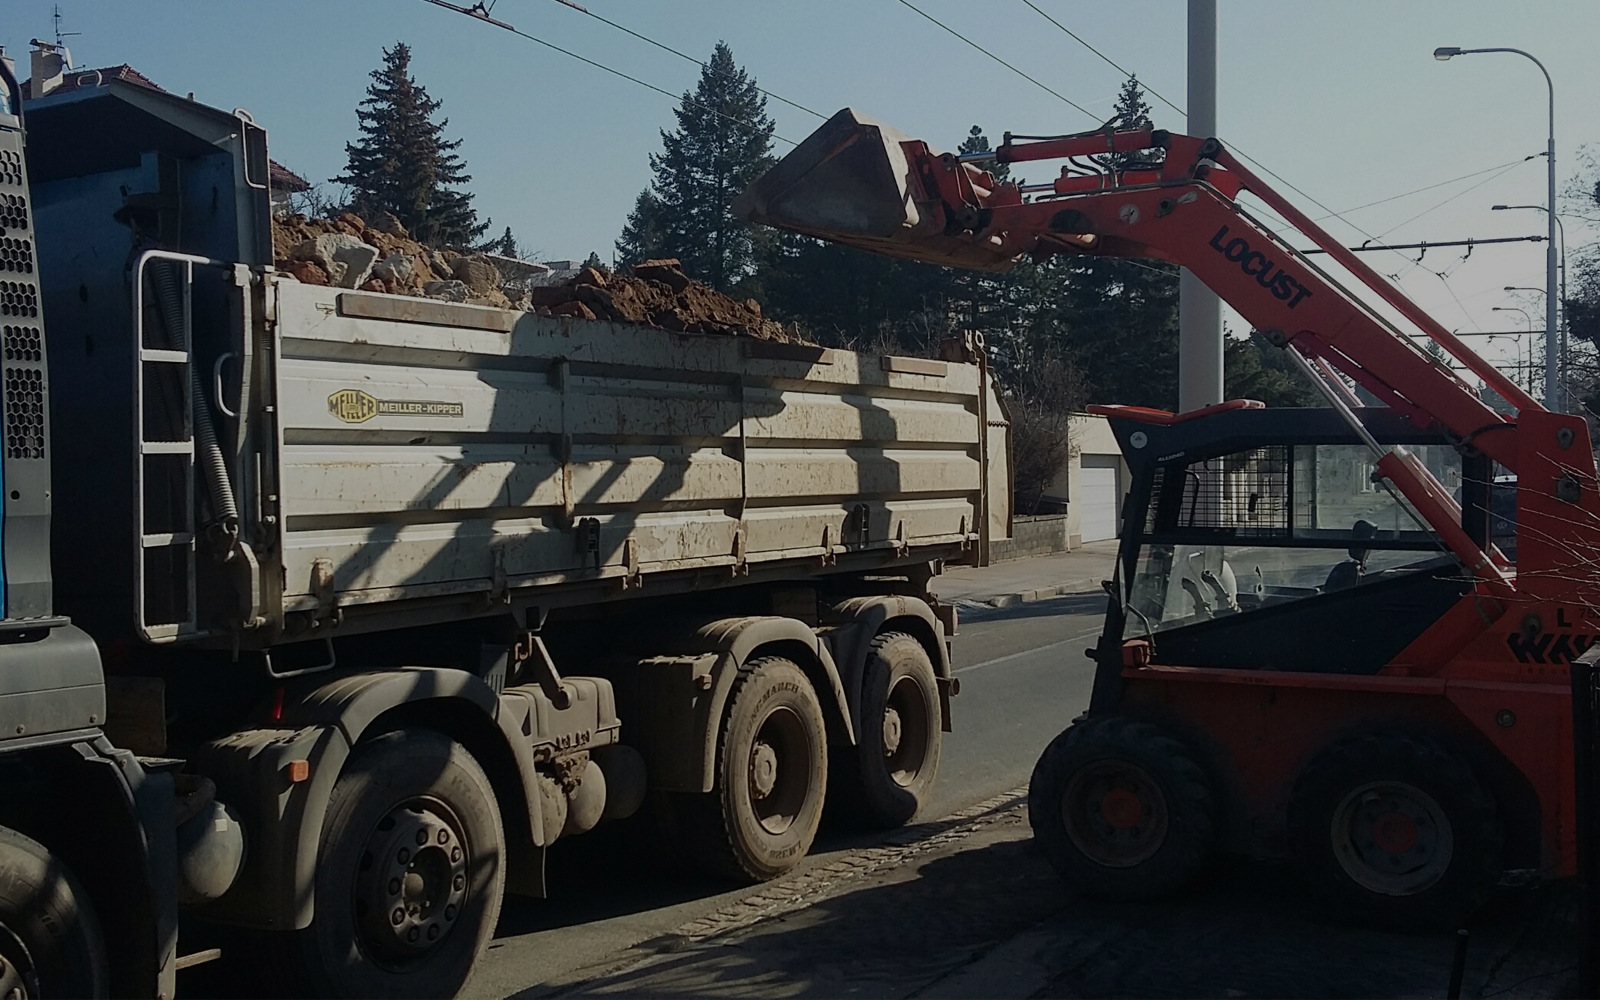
x,y
1040,578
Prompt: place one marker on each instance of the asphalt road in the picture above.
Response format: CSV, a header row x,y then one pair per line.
x,y
1023,678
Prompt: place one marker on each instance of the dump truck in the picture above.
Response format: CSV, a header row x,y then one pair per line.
x,y
1316,647
400,592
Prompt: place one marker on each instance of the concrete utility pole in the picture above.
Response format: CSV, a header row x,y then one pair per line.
x,y
1199,309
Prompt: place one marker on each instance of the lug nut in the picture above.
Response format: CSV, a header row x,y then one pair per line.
x,y
398,917
405,855
422,837
413,934
450,911
444,836
433,933
455,855
459,883
394,887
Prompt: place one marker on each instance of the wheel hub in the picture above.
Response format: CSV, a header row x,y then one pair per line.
x,y
412,881
891,731
763,770
12,984
1392,838
1115,813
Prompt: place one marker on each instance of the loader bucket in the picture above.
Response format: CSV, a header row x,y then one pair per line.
x,y
849,182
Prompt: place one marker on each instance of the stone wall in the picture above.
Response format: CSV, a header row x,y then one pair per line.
x,y
1038,535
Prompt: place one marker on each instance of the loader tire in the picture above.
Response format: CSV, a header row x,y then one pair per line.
x,y
1121,810
889,773
50,939
410,874
1396,831
760,818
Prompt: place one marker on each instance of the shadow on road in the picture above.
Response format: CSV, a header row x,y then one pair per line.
x,y
994,921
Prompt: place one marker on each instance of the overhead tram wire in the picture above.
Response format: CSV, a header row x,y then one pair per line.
x,y
991,55
1107,59
682,55
481,13
1438,184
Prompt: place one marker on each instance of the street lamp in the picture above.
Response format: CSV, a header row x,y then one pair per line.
x,y
1562,229
1521,368
1448,52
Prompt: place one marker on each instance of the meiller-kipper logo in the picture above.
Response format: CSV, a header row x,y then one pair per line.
x,y
1256,264
354,406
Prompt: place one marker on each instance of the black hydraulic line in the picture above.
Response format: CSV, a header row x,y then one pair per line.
x,y
1425,245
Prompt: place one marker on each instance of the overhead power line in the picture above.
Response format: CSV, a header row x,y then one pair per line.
x,y
682,55
1002,62
1107,59
1425,245
481,13
1453,197
1439,184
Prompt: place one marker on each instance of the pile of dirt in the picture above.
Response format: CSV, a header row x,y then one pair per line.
x,y
349,252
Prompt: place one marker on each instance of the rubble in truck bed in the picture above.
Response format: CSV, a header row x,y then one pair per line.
x,y
350,252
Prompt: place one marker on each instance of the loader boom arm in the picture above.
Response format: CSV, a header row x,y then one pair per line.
x,y
1174,198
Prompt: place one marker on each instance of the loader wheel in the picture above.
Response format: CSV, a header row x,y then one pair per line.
x,y
896,755
50,939
1121,810
410,874
1397,831
772,768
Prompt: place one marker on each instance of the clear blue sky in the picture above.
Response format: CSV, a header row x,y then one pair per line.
x,y
1341,98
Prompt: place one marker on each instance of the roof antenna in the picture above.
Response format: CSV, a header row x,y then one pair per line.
x,y
56,16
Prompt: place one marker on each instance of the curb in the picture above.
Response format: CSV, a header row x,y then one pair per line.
x,y
1086,585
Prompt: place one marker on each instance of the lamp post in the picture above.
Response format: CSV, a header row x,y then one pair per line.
x,y
1520,367
1562,229
1448,52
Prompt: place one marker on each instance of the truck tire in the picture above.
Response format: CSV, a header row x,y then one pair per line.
x,y
896,756
410,873
772,771
1121,810
1397,831
50,939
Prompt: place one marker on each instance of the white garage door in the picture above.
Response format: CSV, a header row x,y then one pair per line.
x,y
1098,495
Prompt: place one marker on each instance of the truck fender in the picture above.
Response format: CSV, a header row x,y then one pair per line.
x,y
733,642
319,724
862,619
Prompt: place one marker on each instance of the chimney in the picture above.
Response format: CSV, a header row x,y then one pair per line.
x,y
50,64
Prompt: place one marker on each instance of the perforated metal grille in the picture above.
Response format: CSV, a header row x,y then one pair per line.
x,y
1245,491
22,343
1157,483
16,255
10,167
19,298
13,214
24,413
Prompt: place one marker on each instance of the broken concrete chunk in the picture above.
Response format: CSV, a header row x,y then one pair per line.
x,y
667,270
307,272
347,261
387,222
449,291
590,276
477,272
573,308
398,269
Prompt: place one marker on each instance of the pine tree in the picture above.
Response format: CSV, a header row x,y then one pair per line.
x,y
1131,111
594,261
723,142
403,164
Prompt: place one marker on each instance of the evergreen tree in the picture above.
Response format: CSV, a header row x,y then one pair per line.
x,y
723,142
403,164
1131,111
505,246
594,261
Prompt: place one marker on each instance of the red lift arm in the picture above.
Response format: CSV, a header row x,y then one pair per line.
x,y
857,182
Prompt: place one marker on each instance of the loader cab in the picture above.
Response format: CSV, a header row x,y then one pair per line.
x,y
1257,539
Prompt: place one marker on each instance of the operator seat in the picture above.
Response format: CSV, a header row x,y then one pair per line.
x,y
1349,572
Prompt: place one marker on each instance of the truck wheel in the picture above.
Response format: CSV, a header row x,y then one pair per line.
x,y
410,873
50,940
897,750
1121,810
1397,831
772,769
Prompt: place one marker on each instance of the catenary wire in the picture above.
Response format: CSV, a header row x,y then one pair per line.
x,y
1430,187
1002,62
1077,38
681,54
614,72
1453,197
